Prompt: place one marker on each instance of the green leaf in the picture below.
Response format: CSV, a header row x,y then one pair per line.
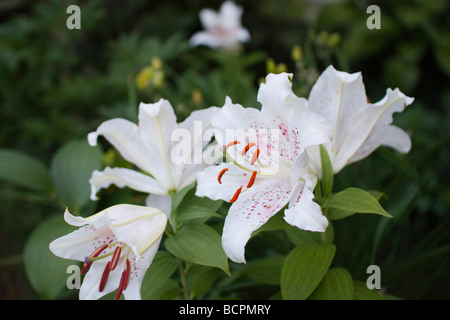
x,y
71,169
362,292
46,272
161,269
266,271
186,198
179,196
198,244
198,214
304,268
327,172
168,291
336,214
337,284
354,200
299,236
24,171
201,278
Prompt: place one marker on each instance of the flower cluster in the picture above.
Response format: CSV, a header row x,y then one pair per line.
x,y
271,156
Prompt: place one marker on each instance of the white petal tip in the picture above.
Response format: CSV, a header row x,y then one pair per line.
x,y
92,138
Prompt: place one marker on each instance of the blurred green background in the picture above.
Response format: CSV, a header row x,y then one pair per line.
x,y
57,85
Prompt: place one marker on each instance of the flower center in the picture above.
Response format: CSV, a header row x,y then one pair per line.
x,y
250,156
221,32
111,265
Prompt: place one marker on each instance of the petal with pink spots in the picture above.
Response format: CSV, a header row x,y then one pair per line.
x,y
252,209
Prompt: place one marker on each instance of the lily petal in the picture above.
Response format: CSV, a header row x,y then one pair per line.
x,y
236,123
340,97
308,129
303,212
194,127
204,38
133,291
233,116
379,116
80,243
122,177
252,209
230,15
358,127
157,121
125,136
163,202
89,287
209,19
277,98
140,233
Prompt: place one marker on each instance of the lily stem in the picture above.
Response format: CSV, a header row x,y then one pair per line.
x,y
183,272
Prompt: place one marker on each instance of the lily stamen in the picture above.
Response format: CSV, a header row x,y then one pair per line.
x,y
247,147
232,143
124,279
236,195
252,179
115,257
104,277
111,265
254,157
219,177
89,260
97,257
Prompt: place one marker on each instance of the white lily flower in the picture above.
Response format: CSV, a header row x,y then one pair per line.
x,y
359,127
223,29
149,145
267,167
117,246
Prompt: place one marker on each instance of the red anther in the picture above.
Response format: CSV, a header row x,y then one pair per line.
x,y
127,279
94,254
104,277
255,156
219,177
252,179
120,289
244,151
115,257
85,268
236,195
98,251
123,281
232,143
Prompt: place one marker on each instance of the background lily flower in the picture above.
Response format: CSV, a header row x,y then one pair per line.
x,y
265,173
148,145
223,29
359,127
117,246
